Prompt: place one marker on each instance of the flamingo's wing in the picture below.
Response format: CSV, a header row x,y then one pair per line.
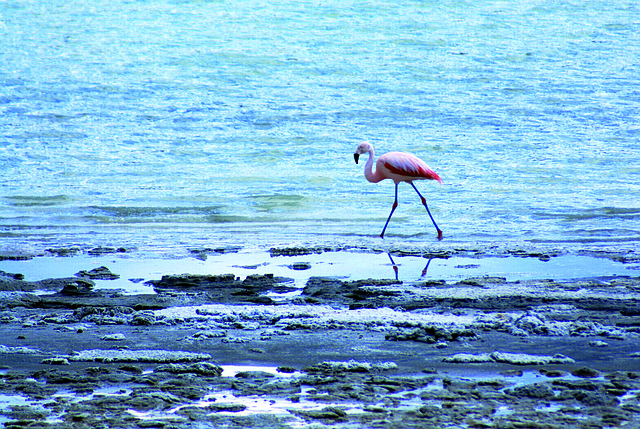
x,y
410,166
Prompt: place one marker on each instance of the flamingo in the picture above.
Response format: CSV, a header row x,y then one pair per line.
x,y
399,167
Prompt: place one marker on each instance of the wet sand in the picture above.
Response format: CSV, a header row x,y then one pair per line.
x,y
221,350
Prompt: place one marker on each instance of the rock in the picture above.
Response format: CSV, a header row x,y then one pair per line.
x,y
55,361
482,281
526,359
78,287
142,401
199,368
118,315
135,369
350,366
431,334
10,283
160,356
101,273
552,373
15,257
226,287
226,407
585,373
297,251
64,251
190,281
235,340
576,384
301,266
327,413
113,337
469,358
536,391
593,399
143,318
429,412
207,335
510,358
26,413
204,253
330,289
100,251
268,282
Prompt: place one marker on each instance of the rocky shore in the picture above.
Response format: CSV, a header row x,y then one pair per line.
x,y
223,351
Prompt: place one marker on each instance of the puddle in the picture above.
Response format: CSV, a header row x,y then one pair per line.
x,y
250,405
9,401
344,265
233,370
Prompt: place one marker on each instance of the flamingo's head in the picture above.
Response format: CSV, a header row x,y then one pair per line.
x,y
363,147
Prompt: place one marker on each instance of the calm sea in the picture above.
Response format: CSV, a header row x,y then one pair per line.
x,y
167,125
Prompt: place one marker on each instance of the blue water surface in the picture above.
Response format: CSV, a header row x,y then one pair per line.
x,y
166,125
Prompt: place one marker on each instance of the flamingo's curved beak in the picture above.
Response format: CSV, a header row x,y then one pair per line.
x,y
356,156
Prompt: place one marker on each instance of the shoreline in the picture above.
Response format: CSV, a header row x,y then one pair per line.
x,y
481,351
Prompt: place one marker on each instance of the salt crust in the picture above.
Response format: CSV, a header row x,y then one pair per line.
x,y
519,323
511,358
356,366
18,350
318,313
160,356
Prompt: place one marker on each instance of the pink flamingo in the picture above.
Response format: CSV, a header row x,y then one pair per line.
x,y
399,167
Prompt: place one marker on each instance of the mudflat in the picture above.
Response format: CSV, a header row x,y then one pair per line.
x,y
218,350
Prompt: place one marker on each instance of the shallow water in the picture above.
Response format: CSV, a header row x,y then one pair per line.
x,y
164,125
134,273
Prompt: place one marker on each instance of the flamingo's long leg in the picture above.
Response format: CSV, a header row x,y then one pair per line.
x,y
395,204
424,202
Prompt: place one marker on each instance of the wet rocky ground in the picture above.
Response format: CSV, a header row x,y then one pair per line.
x,y
224,351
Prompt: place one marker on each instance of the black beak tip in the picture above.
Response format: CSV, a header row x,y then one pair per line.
x,y
355,157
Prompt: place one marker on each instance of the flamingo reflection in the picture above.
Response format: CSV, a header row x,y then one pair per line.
x,y
395,266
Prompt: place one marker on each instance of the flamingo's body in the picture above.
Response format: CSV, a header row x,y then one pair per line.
x,y
399,167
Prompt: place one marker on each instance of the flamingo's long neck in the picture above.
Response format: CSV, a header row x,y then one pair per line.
x,y
371,176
